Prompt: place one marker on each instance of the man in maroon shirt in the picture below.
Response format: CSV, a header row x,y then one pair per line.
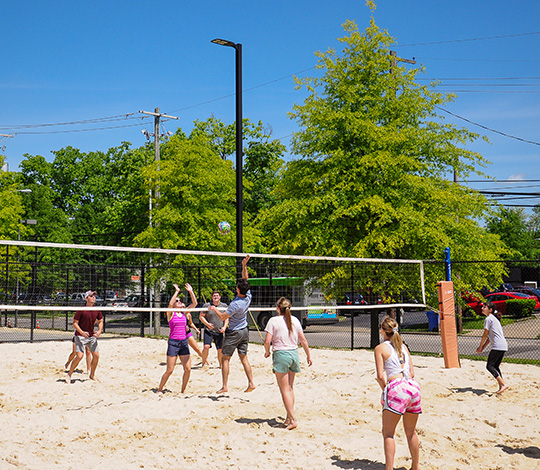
x,y
85,336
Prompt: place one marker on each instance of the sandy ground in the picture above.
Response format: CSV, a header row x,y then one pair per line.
x,y
121,423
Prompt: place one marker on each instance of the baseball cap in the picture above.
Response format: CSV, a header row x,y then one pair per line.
x,y
88,293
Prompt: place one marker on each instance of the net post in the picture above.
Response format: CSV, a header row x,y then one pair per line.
x,y
352,311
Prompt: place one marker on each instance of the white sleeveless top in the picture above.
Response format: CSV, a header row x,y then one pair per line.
x,y
393,366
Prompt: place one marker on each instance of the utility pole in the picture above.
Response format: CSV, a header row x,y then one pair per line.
x,y
157,116
394,59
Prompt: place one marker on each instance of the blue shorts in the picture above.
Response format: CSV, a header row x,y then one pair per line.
x,y
286,361
177,347
216,338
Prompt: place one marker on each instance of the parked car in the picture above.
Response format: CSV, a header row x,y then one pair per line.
x,y
116,303
498,299
135,300
110,295
351,299
529,291
77,298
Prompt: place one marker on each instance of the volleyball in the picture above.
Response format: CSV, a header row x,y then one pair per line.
x,y
224,227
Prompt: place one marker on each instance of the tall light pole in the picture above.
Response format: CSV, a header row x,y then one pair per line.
x,y
239,138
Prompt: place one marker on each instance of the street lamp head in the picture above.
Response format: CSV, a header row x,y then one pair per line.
x,y
27,190
223,42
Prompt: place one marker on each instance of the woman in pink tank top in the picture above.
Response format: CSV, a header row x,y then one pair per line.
x,y
177,345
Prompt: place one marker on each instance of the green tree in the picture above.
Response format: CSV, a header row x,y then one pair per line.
x,y
512,227
196,192
11,204
88,197
373,160
262,158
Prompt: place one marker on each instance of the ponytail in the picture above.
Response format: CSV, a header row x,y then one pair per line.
x,y
284,307
390,327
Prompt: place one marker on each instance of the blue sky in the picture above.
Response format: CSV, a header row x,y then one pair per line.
x,y
74,61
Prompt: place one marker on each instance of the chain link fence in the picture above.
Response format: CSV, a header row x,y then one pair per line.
x,y
38,286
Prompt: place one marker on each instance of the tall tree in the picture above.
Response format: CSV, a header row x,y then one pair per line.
x,y
373,160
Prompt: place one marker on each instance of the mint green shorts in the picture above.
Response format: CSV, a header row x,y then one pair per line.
x,y
286,361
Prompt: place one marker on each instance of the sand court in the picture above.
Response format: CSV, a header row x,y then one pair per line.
x,y
120,421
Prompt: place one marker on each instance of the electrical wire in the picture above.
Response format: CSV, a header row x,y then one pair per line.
x,y
118,117
488,128
469,39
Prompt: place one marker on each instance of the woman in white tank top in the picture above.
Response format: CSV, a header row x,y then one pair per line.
x,y
401,393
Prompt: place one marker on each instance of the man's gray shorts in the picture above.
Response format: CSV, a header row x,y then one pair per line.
x,y
81,343
235,339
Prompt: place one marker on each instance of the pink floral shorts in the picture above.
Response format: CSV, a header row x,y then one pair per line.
x,y
402,396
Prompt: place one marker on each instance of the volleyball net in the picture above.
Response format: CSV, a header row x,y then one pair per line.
x,y
45,283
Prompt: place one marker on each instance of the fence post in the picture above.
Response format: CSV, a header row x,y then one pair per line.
x,y
352,311
142,302
374,337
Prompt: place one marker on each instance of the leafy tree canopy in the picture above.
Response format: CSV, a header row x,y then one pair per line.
x,y
510,224
373,161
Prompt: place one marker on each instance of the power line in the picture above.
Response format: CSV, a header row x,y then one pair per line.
x,y
469,39
478,78
76,130
118,117
488,128
502,181
452,59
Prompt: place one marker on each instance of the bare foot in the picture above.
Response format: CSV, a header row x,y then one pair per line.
x,y
68,379
249,389
206,367
292,425
66,366
222,390
502,389
94,378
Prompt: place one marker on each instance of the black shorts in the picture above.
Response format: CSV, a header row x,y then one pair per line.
x,y
216,338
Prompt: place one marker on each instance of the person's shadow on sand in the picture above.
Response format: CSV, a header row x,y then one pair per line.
x,y
272,422
532,452
72,380
360,464
476,391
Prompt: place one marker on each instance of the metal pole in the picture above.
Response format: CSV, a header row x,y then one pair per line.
x,y
352,311
17,272
239,152
448,264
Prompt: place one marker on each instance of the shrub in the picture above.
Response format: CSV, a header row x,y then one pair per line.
x,y
520,308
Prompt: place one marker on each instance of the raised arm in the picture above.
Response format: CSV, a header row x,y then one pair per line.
x,y
244,267
174,297
193,303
